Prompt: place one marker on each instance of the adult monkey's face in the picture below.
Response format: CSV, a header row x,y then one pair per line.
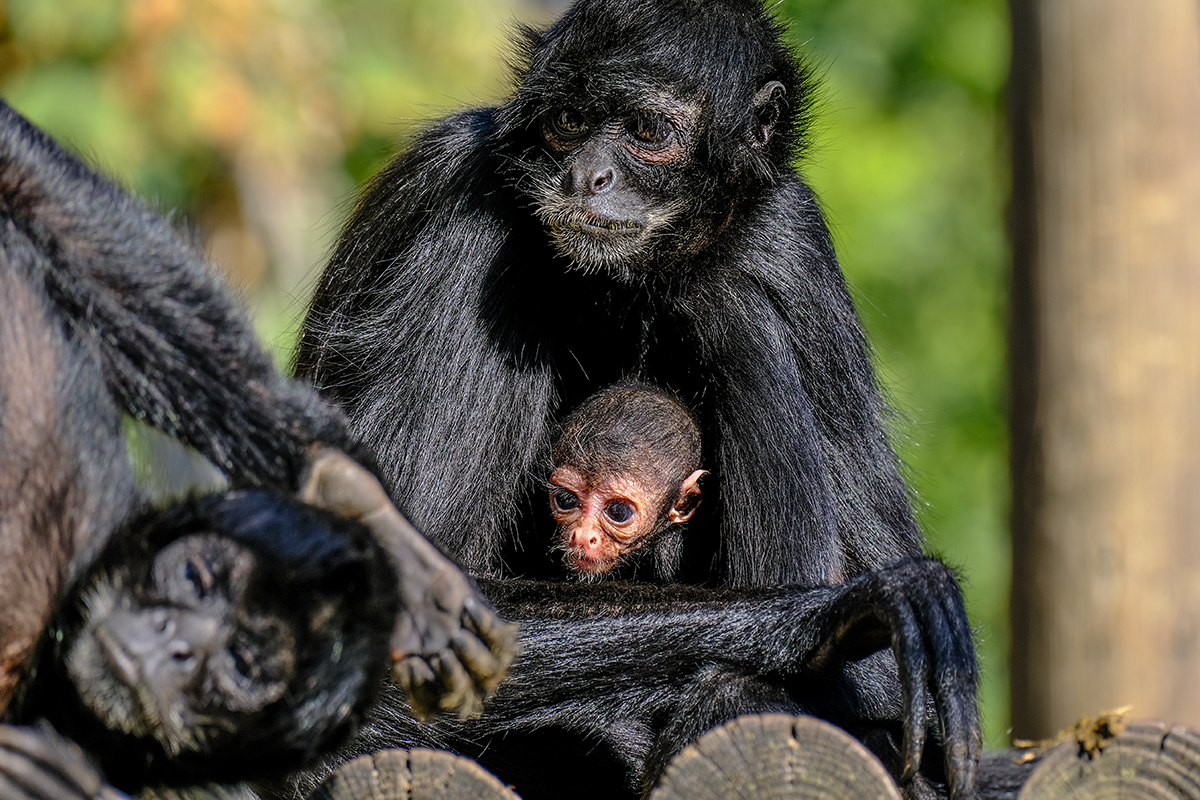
x,y
615,182
224,637
639,136
623,183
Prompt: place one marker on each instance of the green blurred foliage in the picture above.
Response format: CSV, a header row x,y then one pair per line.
x,y
256,119
910,163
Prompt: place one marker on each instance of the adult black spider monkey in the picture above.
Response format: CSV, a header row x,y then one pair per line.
x,y
632,212
183,643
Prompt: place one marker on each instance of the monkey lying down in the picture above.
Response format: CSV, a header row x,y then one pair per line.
x,y
222,638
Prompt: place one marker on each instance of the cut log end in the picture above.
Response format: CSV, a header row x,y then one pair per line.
x,y
412,775
1148,761
776,756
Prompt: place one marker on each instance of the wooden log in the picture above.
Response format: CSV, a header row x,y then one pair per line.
x,y
416,774
1148,761
771,756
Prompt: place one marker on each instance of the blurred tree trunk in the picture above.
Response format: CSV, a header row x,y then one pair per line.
x,y
1105,360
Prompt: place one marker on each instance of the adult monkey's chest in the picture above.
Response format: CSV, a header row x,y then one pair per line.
x,y
624,336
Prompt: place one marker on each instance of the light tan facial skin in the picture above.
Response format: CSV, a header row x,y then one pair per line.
x,y
602,519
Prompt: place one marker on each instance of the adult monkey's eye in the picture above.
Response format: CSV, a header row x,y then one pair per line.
x,y
619,511
565,500
650,129
567,123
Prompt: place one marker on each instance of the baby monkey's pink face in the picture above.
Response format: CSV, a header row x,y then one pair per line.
x,y
603,518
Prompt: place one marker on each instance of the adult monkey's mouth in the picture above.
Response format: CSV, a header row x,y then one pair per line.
x,y
589,222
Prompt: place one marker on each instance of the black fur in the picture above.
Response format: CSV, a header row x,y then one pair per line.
x,y
613,679
105,308
514,260
176,351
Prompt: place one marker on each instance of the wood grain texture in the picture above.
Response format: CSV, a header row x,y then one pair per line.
x,y
416,774
1149,761
776,756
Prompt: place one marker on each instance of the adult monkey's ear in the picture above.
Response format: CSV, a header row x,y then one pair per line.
x,y
768,109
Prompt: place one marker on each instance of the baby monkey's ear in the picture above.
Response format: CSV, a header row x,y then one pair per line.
x,y
689,498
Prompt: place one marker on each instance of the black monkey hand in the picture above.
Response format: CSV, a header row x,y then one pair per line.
x,y
39,764
916,606
450,649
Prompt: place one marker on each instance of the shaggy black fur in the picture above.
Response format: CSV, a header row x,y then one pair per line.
x,y
107,309
613,679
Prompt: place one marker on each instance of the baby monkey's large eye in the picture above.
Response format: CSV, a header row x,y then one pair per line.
x,y
564,500
618,511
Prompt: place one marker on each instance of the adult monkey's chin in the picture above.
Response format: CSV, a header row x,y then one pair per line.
x,y
95,665
618,251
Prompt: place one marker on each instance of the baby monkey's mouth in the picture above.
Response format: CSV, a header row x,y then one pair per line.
x,y
581,566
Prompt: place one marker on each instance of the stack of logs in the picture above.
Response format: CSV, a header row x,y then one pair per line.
x,y
776,756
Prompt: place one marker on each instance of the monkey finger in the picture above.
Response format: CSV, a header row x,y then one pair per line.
x,y
405,641
499,636
9,789
460,695
51,752
963,740
913,662
964,746
957,682
484,668
14,791
419,682
34,780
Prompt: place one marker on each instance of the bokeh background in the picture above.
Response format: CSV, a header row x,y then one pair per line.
x,y
255,120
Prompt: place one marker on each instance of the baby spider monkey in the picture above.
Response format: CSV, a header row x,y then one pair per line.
x,y
626,480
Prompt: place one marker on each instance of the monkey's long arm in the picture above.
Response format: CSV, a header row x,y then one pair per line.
x,y
618,663
913,606
178,352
